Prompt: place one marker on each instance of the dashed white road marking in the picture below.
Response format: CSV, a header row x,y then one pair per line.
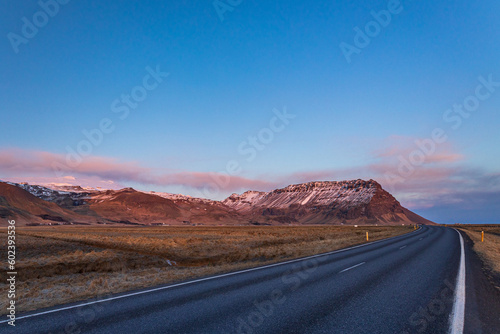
x,y
402,247
359,264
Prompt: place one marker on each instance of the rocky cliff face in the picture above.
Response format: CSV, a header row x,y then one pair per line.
x,y
344,202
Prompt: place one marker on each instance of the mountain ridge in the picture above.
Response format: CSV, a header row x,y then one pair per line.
x,y
317,202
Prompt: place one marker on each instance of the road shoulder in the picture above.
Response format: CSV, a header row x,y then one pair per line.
x,y
482,311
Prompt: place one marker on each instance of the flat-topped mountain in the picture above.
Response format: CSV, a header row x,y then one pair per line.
x,y
329,202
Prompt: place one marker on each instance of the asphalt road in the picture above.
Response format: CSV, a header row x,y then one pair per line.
x,y
404,284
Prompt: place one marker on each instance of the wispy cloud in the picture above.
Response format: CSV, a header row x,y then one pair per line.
x,y
396,146
17,162
92,181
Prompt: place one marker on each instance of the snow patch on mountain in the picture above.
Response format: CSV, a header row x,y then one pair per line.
x,y
52,195
180,197
345,194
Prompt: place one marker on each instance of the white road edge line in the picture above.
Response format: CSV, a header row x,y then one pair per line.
x,y
359,264
457,318
204,279
402,247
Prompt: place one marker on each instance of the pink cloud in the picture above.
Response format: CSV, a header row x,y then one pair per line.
x,y
94,181
55,167
433,152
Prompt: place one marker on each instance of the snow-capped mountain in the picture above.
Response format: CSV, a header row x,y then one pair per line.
x,y
355,201
61,195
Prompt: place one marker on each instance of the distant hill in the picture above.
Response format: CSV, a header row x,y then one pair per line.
x,y
17,203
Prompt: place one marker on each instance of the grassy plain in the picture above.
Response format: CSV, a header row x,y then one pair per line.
x,y
489,249
63,264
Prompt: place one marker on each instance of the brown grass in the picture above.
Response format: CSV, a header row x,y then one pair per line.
x,y
489,250
62,264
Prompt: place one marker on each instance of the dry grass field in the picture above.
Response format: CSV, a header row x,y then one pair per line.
x,y
62,264
489,250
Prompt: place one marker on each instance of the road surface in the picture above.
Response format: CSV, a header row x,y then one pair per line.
x,y
406,284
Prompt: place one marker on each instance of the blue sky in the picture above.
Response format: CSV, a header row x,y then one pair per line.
x,y
228,78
